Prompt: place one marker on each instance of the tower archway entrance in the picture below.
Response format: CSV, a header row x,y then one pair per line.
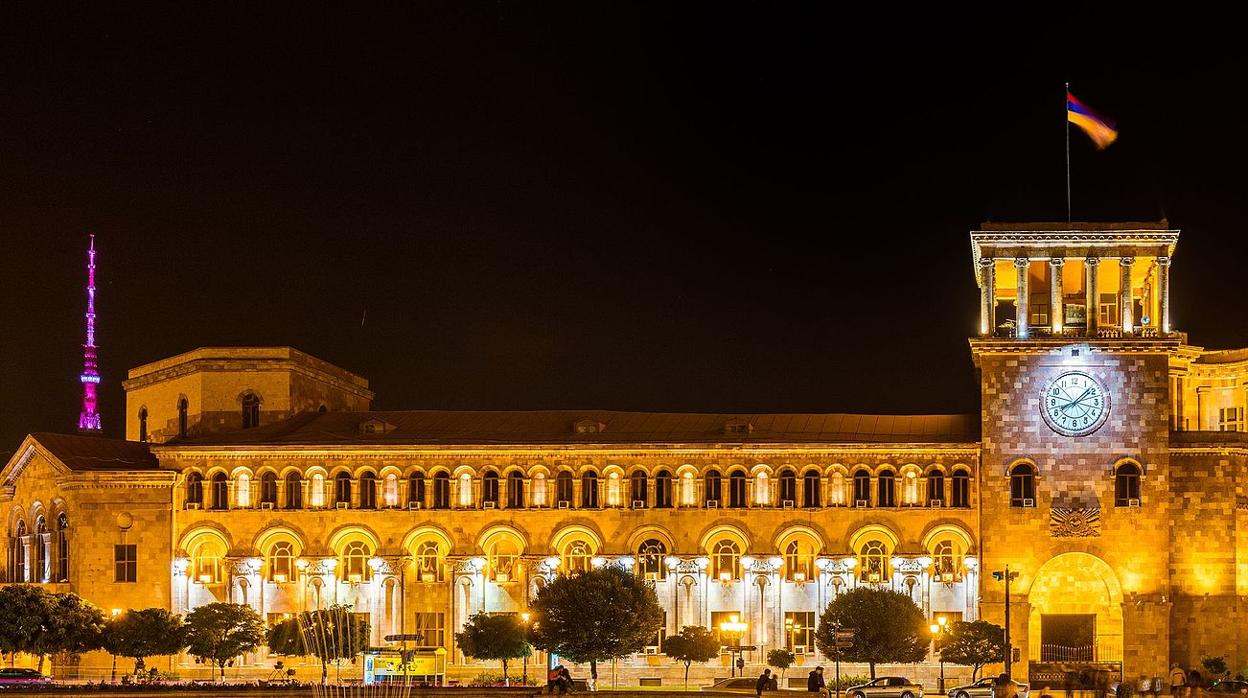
x,y
1075,625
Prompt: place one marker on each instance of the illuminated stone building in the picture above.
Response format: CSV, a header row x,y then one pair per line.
x,y
1104,468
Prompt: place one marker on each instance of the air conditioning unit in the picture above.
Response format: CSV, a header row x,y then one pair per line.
x,y
564,505
652,576
1029,502
712,504
489,505
936,503
639,504
786,504
861,503
342,505
799,649
267,506
194,505
652,649
413,506
1133,503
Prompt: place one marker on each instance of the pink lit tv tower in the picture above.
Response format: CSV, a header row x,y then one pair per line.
x,y
89,419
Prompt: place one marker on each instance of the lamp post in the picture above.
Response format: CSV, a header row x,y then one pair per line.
x,y
938,629
734,628
524,677
1006,575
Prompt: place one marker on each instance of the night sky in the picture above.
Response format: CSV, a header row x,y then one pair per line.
x,y
524,205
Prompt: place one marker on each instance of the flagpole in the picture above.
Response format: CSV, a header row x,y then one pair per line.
x,y
1066,125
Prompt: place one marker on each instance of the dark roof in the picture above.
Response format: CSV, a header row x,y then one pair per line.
x,y
97,453
1208,438
557,427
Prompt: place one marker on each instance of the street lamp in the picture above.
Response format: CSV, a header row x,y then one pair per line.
x,y
735,629
524,677
938,629
1006,575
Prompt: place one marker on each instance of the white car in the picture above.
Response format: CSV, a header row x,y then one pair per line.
x,y
886,687
983,689
741,684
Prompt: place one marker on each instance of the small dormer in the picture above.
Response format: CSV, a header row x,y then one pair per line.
x,y
738,427
370,427
588,426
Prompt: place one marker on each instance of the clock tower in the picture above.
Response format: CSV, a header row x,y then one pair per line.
x,y
1073,353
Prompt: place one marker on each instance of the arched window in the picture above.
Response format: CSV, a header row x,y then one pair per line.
x,y
220,492
577,556
944,562
18,556
251,410
294,491
936,489
142,424
502,557
489,488
1127,485
688,490
42,540
538,490
354,562
589,490
428,562
862,489
515,489
725,560
886,489
563,489
836,490
416,489
811,496
182,409
638,489
910,486
788,488
613,490
316,492
368,491
281,562
268,488
736,489
442,490
873,562
1022,485
711,495
961,491
206,561
663,490
390,491
799,561
651,560
195,489
62,547
342,490
762,488
242,490
465,491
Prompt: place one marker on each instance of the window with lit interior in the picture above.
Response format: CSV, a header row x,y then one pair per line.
x,y
651,560
280,562
353,564
725,560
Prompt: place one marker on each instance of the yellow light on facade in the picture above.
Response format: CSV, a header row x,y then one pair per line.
x,y
205,578
279,578
116,611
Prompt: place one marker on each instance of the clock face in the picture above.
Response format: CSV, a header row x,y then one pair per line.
x,y
1074,404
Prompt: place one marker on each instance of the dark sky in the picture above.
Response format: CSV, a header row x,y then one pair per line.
x,y
654,207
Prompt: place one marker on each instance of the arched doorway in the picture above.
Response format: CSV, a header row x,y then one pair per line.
x,y
1076,613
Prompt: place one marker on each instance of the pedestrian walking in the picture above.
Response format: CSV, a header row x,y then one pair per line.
x,y
1178,680
763,683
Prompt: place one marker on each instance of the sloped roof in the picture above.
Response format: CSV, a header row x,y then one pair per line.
x,y
557,427
79,452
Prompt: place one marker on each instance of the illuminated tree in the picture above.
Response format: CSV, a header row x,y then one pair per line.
x,y
501,637
888,627
694,644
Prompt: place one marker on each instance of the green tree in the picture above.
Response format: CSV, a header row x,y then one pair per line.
x,y
494,637
595,616
148,632
73,626
973,644
888,627
219,632
694,644
23,618
330,634
1215,667
781,659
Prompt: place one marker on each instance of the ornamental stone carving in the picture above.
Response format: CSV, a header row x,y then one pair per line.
x,y
1075,523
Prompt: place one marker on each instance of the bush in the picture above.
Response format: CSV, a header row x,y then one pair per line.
x,y
491,679
846,680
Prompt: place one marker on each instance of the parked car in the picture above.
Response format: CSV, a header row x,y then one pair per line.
x,y
983,689
741,684
16,675
886,687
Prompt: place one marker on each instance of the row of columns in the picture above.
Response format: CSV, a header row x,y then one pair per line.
x,y
1022,265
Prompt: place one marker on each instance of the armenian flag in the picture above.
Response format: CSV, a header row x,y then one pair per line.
x,y
1101,131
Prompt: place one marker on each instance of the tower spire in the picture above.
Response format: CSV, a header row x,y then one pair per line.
x,y
89,418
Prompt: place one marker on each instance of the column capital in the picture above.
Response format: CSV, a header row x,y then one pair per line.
x,y
1057,261
1163,261
986,262
1022,262
1126,261
1092,261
